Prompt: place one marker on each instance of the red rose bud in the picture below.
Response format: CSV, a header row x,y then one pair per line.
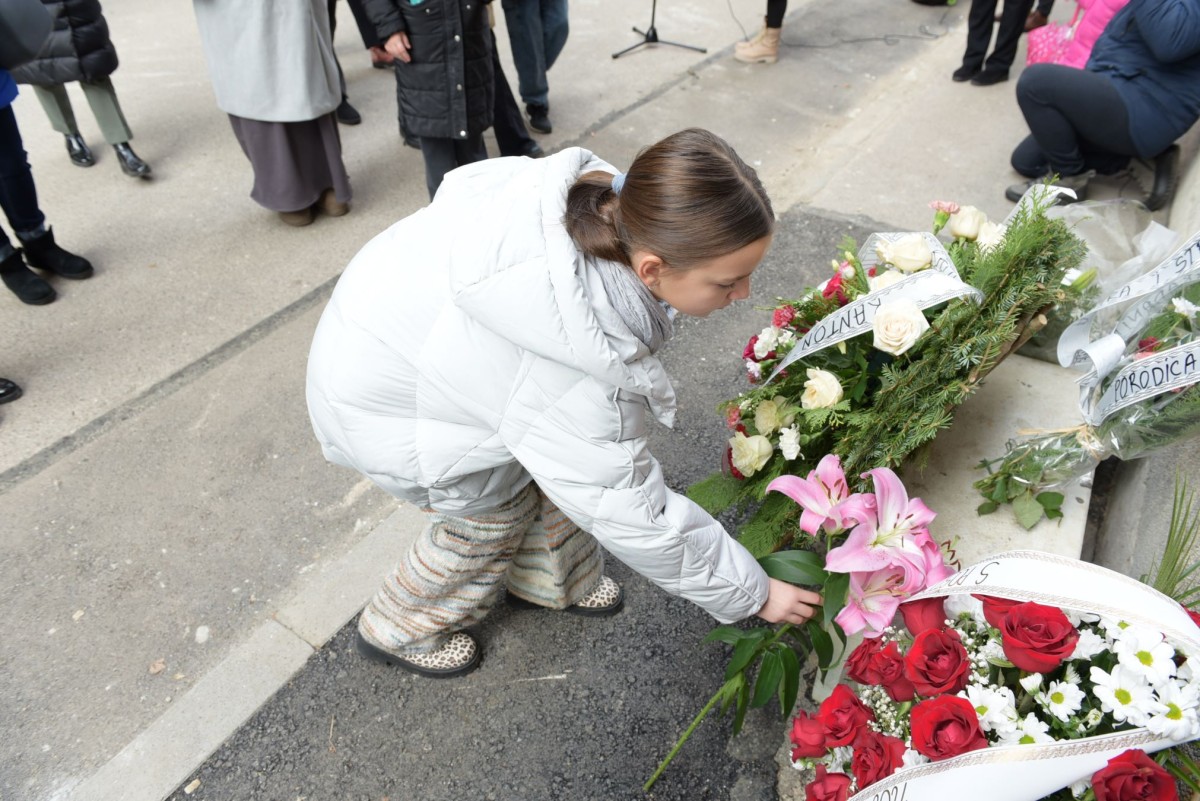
x,y
994,609
945,727
928,613
808,737
827,786
782,317
859,665
1133,776
937,662
890,666
842,715
876,756
1037,638
1149,344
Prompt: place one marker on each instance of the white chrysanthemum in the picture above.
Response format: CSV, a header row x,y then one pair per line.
x,y
995,706
1146,653
1028,731
1123,693
912,758
1185,307
1092,719
1185,673
1177,718
1080,787
1061,699
1088,645
993,649
1031,683
1112,627
789,442
957,605
754,369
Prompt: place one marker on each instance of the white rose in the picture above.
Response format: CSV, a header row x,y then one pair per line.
x,y
821,390
965,224
884,279
990,236
908,254
772,414
789,442
750,453
898,325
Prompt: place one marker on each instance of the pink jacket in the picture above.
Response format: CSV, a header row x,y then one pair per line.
x,y
1095,15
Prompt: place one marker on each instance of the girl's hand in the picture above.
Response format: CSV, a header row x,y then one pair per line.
x,y
787,603
398,45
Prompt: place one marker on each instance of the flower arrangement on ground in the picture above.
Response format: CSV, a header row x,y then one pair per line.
x,y
1144,398
871,364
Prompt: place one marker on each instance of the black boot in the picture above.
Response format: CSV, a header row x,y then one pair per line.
x,y
45,254
27,285
539,117
130,163
1166,176
348,114
80,153
9,391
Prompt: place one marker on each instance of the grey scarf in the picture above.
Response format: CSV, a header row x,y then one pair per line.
x,y
648,318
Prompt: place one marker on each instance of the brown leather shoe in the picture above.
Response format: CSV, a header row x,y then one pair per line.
x,y
329,204
298,219
1036,19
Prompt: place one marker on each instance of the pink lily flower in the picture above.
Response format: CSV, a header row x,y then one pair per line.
x,y
873,600
890,532
821,495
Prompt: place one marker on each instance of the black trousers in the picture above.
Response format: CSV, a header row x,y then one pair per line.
x,y
979,34
18,195
1077,122
507,122
443,155
775,11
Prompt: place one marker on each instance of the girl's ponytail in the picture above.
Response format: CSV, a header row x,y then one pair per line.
x,y
592,216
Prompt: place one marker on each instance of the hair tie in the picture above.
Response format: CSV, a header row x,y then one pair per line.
x,y
618,181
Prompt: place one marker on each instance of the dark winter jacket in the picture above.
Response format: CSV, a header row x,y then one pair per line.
x,y
78,48
1151,51
446,90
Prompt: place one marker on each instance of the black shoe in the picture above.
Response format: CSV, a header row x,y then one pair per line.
x,y
1166,176
348,114
539,117
964,73
27,285
989,77
532,149
80,153
45,254
1078,183
131,165
8,391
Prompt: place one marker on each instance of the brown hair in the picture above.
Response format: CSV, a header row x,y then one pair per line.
x,y
686,199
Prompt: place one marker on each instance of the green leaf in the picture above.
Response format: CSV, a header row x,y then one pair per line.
x,y
729,692
1000,493
743,702
795,567
1027,509
836,589
725,634
789,688
1050,500
743,654
822,644
769,675
986,508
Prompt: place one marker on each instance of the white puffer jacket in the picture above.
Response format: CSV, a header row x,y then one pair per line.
x,y
470,348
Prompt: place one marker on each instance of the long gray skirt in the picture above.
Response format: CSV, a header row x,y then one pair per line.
x,y
294,162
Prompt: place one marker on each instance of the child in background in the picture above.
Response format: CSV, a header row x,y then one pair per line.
x,y
492,359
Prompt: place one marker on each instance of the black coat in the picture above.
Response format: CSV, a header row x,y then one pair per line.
x,y
78,48
446,90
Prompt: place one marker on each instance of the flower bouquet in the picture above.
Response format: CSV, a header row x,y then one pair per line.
x,y
995,685
871,364
1141,393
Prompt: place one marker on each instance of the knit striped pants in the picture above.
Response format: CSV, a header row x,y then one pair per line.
x,y
453,574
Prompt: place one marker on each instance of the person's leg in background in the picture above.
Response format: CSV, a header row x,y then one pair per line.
x,y
507,123
57,105
443,155
979,37
346,113
525,34
1012,25
18,198
764,48
102,97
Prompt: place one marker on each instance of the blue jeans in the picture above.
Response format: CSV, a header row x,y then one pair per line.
x,y
537,31
18,195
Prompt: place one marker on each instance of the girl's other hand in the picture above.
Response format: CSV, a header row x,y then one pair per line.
x,y
787,603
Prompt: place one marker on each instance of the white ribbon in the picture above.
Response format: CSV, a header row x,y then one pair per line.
x,y
929,287
1031,772
1144,378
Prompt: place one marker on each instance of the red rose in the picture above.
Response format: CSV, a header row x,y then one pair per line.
x,y
876,756
808,737
994,609
859,665
783,317
1195,616
937,663
929,613
1037,638
890,666
827,786
1133,776
945,727
842,715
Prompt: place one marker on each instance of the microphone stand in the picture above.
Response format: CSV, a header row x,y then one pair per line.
x,y
650,36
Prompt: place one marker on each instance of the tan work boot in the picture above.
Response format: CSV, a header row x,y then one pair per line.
x,y
762,49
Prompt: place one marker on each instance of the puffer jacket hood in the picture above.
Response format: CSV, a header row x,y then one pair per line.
x,y
471,348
